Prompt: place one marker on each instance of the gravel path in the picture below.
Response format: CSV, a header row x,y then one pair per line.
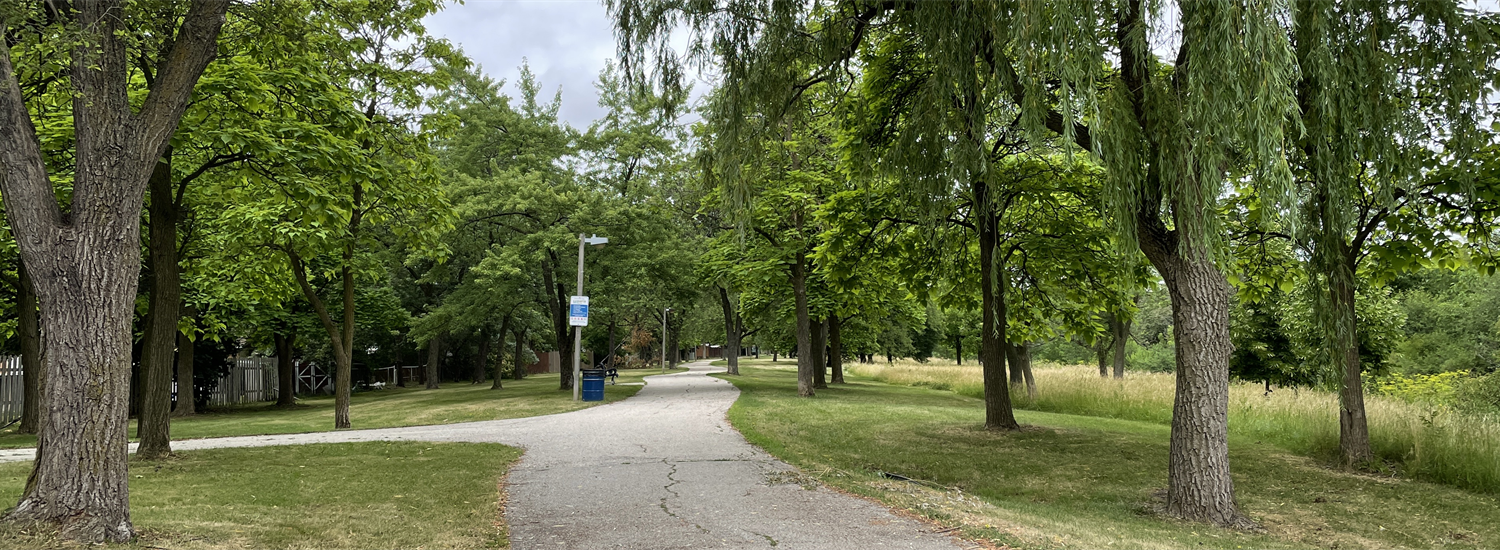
x,y
661,470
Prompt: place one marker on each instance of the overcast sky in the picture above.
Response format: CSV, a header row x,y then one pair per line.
x,y
566,42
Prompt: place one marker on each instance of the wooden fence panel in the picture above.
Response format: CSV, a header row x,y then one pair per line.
x,y
12,391
251,379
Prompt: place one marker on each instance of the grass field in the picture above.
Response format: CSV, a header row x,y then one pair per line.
x,y
1075,481
454,402
1414,439
333,496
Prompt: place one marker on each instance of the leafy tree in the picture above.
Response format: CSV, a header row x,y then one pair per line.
x,y
376,167
87,295
1375,98
1151,115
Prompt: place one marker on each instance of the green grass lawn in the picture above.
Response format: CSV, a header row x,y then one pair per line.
x,y
335,496
1070,481
454,402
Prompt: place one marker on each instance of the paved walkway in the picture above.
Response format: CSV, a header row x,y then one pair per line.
x,y
661,470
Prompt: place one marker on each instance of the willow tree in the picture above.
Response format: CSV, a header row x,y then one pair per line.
x,y
1170,132
85,254
1383,86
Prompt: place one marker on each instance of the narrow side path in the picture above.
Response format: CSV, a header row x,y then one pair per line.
x,y
660,470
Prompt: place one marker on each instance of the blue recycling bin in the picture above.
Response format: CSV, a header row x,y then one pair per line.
x,y
593,384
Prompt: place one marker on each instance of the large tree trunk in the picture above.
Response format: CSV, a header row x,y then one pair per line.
x,y
187,394
33,375
158,349
86,263
819,353
805,365
731,332
343,384
558,302
998,413
836,349
1354,431
434,359
286,371
1198,483
1121,328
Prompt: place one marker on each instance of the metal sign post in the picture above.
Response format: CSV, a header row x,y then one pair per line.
x,y
578,310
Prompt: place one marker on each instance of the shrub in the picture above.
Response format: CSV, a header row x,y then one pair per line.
x,y
1479,394
1160,357
1435,389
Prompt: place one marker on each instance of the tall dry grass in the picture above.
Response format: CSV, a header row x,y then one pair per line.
x,y
1421,440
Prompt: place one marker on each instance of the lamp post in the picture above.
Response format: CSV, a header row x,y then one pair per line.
x,y
664,313
578,325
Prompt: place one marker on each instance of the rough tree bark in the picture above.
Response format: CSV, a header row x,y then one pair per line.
x,y
1198,483
836,349
732,329
434,359
160,341
1354,431
286,371
86,262
805,365
998,412
33,375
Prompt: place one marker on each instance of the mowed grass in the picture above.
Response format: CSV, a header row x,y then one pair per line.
x,y
380,495
1416,440
1070,481
453,402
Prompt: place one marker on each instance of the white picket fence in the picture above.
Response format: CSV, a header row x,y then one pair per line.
x,y
12,393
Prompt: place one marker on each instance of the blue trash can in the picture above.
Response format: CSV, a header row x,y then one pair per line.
x,y
593,384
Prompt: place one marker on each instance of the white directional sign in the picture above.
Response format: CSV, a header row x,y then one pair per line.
x,y
578,311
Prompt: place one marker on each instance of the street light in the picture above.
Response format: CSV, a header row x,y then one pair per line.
x,y
578,325
664,313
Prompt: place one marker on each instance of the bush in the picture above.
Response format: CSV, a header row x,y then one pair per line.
x,y
1436,389
1480,394
1161,357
